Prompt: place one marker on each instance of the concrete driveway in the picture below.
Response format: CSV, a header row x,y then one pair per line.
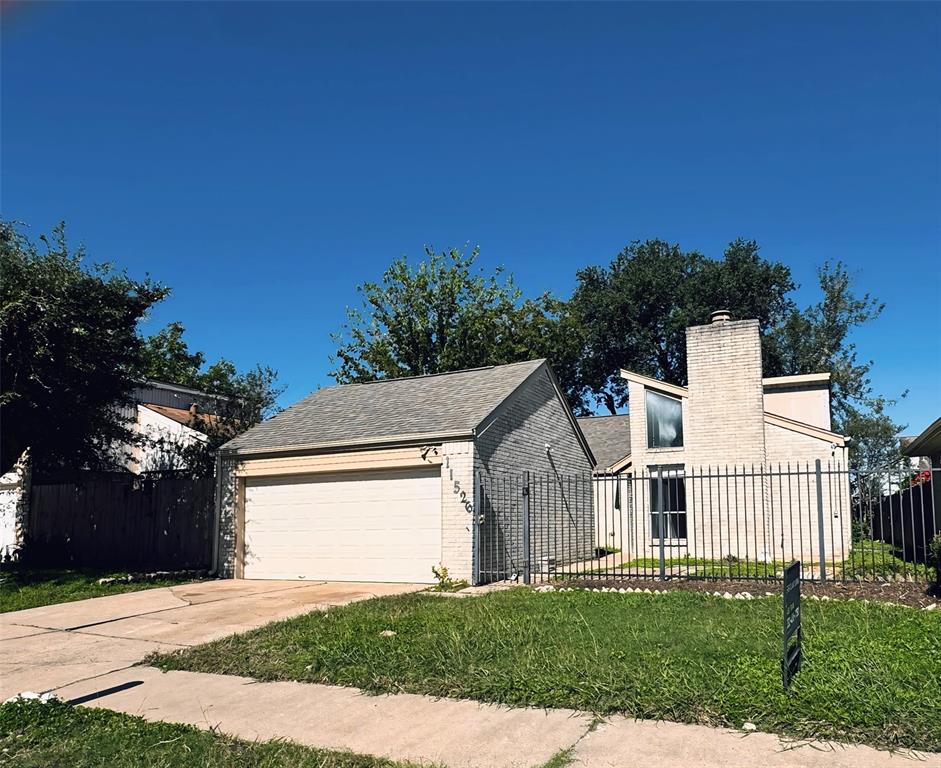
x,y
45,648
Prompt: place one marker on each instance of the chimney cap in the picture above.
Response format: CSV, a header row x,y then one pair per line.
x,y
720,316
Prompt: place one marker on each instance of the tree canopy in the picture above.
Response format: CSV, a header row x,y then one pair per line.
x,y
72,353
635,312
70,350
819,338
243,399
445,314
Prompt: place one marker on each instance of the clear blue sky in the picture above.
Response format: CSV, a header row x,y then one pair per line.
x,y
263,159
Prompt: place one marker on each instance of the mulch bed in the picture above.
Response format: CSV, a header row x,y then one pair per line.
x,y
914,594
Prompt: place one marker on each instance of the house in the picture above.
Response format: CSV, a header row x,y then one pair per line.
x,y
378,481
165,418
610,440
910,517
726,463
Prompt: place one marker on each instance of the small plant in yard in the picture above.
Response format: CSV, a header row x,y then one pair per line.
x,y
445,582
934,548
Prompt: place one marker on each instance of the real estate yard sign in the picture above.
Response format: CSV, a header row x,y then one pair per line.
x,y
791,651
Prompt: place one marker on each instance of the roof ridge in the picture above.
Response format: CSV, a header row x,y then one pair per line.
x,y
604,416
440,373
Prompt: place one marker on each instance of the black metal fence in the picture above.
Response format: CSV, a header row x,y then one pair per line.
x,y
712,523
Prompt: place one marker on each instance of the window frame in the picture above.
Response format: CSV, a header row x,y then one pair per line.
x,y
648,391
659,477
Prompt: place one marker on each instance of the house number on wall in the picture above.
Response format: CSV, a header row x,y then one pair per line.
x,y
457,490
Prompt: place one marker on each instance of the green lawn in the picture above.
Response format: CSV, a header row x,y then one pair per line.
x,y
31,587
870,671
866,560
57,735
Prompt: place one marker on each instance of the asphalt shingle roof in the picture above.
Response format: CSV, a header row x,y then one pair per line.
x,y
609,437
387,410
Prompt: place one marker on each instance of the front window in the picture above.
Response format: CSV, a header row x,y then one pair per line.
x,y
664,421
668,492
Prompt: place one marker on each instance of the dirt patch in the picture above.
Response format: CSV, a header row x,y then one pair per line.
x,y
915,594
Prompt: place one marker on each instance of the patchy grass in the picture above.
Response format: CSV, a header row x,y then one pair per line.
x,y
866,560
870,671
874,559
58,735
22,588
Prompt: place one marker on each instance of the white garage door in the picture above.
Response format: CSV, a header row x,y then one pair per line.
x,y
359,526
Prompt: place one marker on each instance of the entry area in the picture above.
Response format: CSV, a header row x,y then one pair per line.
x,y
379,526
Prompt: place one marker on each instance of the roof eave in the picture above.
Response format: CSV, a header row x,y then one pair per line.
x,y
341,446
655,384
928,443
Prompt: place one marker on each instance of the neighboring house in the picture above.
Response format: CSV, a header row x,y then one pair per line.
x,y
730,423
166,418
924,450
376,481
911,517
610,440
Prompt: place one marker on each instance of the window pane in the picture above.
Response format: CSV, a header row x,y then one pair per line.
x,y
670,490
664,421
655,526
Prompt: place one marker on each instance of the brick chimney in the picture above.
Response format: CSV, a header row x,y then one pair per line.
x,y
726,403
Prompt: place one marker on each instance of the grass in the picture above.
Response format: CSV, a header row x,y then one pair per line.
x,y
58,735
22,588
866,560
870,671
870,559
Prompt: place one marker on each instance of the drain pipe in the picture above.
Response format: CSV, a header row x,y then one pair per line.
x,y
218,514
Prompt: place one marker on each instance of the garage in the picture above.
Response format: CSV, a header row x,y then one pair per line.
x,y
352,526
376,481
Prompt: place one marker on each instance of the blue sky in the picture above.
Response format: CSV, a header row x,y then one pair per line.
x,y
264,159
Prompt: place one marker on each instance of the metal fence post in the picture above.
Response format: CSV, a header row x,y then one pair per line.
x,y
660,518
820,533
527,575
477,525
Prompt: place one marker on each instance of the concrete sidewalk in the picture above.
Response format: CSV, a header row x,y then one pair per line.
x,y
86,652
457,734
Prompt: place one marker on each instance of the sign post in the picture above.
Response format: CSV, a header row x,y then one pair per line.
x,y
791,649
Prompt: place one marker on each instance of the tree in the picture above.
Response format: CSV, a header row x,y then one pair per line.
x,y
240,400
635,312
442,315
818,338
70,351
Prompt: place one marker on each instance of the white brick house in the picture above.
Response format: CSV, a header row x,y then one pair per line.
x,y
376,481
729,422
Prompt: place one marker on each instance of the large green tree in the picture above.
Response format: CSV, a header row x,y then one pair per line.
x,y
444,314
820,338
70,351
239,399
634,312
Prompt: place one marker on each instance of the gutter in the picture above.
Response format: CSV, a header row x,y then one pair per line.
x,y
400,441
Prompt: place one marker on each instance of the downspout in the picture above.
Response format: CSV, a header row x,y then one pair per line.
x,y
218,514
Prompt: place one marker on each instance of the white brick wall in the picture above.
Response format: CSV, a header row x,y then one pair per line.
x,y
725,432
457,508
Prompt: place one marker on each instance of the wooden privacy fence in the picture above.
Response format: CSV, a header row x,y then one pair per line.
x,y
122,522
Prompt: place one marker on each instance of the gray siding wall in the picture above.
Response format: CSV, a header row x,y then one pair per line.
x,y
560,482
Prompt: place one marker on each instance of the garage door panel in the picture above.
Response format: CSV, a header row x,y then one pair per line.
x,y
364,526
